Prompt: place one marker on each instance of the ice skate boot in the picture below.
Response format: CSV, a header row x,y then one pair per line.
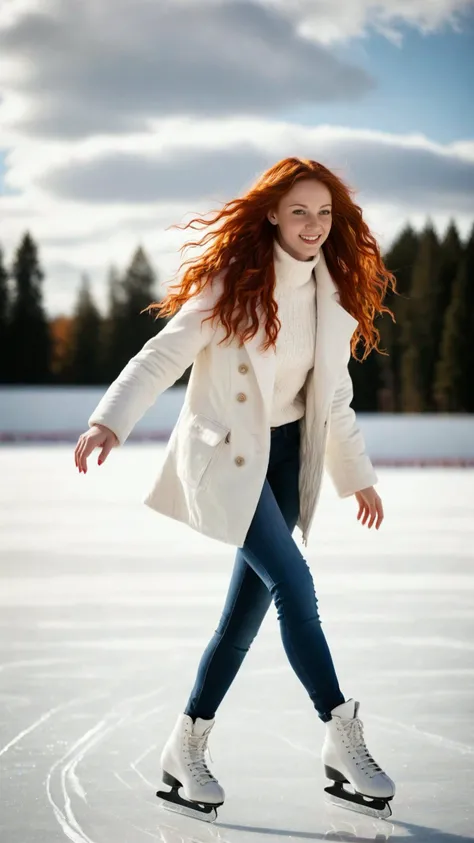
x,y
346,759
184,766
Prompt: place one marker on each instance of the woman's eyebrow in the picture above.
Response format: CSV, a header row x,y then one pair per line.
x,y
302,205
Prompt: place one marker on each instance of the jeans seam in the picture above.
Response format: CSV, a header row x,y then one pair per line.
x,y
221,637
302,669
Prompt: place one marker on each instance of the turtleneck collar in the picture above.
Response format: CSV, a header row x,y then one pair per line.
x,y
289,270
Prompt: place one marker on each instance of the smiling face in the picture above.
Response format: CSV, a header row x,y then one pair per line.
x,y
303,219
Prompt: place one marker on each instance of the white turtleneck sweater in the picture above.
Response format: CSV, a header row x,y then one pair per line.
x,y
295,294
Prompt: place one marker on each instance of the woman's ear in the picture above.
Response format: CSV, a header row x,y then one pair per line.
x,y
271,216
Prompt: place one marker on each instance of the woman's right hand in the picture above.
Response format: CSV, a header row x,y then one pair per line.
x,y
98,436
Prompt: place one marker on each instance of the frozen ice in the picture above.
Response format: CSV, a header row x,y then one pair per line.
x,y
105,608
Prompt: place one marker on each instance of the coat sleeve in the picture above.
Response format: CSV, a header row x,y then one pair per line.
x,y
161,361
347,462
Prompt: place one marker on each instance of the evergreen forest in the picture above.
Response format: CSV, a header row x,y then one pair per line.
x,y
427,362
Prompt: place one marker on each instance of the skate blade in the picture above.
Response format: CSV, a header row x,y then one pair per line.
x,y
173,802
381,813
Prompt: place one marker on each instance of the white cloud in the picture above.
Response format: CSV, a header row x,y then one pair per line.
x,y
87,210
339,20
121,116
86,66
409,170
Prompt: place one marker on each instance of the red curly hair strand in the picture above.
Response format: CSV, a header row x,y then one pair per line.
x,y
241,239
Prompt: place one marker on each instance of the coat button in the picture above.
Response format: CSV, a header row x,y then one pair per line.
x,y
239,460
241,396
243,369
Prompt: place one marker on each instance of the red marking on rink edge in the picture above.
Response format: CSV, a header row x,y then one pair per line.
x,y
163,436
68,436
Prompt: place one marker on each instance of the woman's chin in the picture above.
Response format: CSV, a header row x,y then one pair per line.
x,y
306,251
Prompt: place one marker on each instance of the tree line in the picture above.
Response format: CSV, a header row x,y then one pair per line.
x,y
429,360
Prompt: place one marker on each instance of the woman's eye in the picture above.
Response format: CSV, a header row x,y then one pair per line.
x,y
302,211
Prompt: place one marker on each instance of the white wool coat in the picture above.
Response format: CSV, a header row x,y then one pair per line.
x,y
216,458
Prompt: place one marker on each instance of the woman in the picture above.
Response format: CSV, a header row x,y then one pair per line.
x,y
267,406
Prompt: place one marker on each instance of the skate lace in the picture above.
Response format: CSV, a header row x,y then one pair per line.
x,y
197,745
354,731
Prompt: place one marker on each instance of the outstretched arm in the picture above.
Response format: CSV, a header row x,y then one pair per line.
x,y
159,364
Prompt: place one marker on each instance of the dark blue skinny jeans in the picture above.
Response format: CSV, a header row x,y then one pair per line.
x,y
269,566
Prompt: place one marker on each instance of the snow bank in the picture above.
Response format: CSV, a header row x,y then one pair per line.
x,y
54,414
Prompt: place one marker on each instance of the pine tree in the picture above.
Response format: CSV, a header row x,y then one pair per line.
x,y
400,260
366,380
112,327
29,340
454,383
127,328
419,352
4,315
138,284
85,365
451,257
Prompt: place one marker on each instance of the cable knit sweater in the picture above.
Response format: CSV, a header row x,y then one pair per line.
x,y
295,294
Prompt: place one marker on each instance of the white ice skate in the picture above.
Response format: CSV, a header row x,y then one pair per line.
x,y
184,766
346,759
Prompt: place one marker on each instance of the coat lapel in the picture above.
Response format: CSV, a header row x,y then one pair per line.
x,y
263,362
335,327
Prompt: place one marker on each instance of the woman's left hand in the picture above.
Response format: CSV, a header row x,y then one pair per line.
x,y
370,504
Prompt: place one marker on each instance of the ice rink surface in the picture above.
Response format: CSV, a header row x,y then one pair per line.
x,y
106,607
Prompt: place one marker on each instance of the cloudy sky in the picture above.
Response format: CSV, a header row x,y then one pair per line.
x,y
121,117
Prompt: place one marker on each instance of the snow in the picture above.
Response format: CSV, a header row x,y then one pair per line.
x,y
105,608
60,414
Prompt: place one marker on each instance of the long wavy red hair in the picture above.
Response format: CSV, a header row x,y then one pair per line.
x,y
241,244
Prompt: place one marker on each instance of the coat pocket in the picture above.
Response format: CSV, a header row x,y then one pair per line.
x,y
202,440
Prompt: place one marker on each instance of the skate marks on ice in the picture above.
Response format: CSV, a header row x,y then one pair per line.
x,y
63,778
36,723
92,622
416,733
101,786
77,797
